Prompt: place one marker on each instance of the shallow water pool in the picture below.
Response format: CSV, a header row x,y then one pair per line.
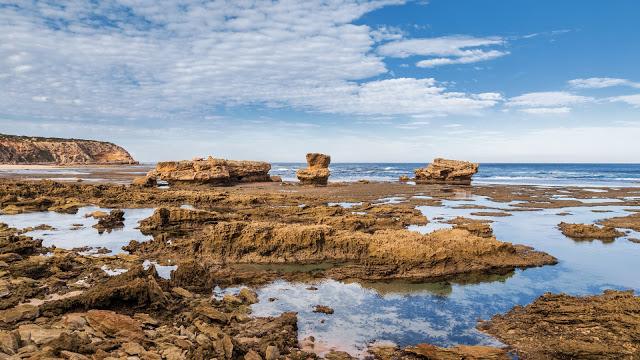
x,y
76,231
446,313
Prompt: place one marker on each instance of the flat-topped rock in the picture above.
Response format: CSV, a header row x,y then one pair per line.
x,y
208,171
317,171
443,171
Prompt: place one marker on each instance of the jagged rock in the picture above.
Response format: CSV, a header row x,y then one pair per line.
x,y
135,287
428,351
40,150
560,326
177,219
252,355
37,334
442,171
114,220
589,232
98,214
9,341
211,171
183,293
317,171
213,314
133,348
476,227
115,325
272,353
323,309
247,295
144,181
19,313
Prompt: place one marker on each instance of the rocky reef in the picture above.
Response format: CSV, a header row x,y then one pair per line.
x,y
56,151
317,171
207,171
443,171
560,326
216,238
589,232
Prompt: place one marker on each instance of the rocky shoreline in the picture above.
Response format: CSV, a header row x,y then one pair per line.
x,y
59,303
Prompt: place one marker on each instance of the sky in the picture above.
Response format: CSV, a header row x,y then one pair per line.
x,y
364,81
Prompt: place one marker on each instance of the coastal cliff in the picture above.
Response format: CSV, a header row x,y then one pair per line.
x,y
57,151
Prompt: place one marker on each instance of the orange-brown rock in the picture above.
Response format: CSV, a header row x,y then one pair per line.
x,y
56,151
589,232
560,326
317,171
210,171
627,222
381,255
442,171
428,351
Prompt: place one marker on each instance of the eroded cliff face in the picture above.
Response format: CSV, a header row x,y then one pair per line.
x,y
39,150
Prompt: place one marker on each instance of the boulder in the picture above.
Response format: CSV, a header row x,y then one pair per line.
x,y
443,171
144,181
209,171
115,219
115,325
19,313
317,171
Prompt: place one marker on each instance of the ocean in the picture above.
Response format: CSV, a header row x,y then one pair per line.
x,y
584,175
612,175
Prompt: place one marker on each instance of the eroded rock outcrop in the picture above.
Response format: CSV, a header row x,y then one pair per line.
x,y
381,255
56,151
432,352
317,171
560,326
207,171
589,232
443,171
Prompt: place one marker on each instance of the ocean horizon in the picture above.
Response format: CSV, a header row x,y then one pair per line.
x,y
541,174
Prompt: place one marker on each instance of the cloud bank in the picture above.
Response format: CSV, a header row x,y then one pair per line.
x,y
137,59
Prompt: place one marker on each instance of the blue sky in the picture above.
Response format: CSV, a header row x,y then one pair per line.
x,y
382,80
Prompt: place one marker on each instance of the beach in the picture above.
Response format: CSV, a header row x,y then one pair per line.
x,y
436,258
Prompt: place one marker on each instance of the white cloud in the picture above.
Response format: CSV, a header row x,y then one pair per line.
x,y
547,102
134,59
547,110
600,83
633,100
472,57
558,100
446,50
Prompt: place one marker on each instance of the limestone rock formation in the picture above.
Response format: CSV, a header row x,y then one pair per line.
x,y
589,232
443,171
209,171
559,326
317,171
56,151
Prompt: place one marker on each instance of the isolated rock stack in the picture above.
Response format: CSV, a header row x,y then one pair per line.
x,y
317,171
443,171
207,171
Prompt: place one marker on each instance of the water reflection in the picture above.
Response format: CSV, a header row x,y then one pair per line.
x,y
446,313
76,231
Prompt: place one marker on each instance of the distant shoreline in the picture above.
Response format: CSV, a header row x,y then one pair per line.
x,y
58,166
